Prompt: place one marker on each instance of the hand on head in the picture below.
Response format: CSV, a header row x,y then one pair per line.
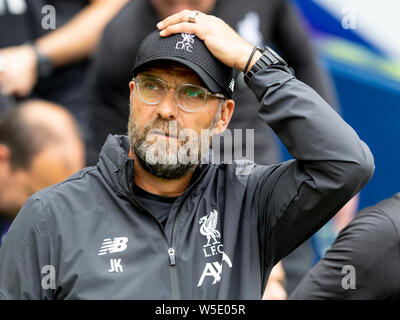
x,y
222,41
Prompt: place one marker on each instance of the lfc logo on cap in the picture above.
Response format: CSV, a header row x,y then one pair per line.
x,y
186,43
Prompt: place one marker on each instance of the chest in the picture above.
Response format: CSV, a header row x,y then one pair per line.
x,y
127,254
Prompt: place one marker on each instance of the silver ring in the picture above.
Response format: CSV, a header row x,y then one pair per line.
x,y
192,16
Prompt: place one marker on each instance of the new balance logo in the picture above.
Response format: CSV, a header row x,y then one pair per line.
x,y
112,246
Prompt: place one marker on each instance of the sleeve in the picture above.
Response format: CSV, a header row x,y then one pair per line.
x,y
296,198
24,255
292,40
362,264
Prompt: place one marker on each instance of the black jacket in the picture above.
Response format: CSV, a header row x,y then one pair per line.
x,y
223,234
364,261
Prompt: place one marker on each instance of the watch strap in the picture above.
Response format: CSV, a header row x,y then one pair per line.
x,y
268,58
44,66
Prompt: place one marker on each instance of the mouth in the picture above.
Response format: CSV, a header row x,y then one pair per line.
x,y
161,133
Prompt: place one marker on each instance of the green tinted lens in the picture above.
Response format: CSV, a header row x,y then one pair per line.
x,y
191,96
151,90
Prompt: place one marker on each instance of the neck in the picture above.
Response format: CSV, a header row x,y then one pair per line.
x,y
159,186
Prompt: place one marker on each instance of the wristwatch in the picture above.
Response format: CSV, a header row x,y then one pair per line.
x,y
44,66
269,57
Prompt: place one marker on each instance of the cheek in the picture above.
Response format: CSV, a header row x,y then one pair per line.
x,y
141,114
204,119
197,122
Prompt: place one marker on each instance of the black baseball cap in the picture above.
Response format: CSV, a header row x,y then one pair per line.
x,y
190,51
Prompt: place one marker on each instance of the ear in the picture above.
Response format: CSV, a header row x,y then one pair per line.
x,y
5,153
131,87
225,117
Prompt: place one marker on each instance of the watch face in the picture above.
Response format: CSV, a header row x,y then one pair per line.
x,y
277,56
45,67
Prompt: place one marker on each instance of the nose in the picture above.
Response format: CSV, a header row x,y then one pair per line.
x,y
167,109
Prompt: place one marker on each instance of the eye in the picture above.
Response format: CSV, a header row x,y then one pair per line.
x,y
193,93
151,86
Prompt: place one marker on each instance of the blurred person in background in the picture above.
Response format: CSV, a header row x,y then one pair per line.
x,y
364,261
45,46
275,289
40,145
261,22
6,103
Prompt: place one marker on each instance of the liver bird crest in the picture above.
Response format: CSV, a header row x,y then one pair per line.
x,y
208,227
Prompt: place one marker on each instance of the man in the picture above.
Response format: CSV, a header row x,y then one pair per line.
x,y
260,22
39,146
156,219
364,261
45,48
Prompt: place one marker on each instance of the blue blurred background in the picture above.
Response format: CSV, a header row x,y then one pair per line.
x,y
358,43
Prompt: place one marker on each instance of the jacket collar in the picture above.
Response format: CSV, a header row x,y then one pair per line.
x,y
117,168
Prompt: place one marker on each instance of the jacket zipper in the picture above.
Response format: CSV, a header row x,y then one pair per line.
x,y
176,295
170,250
181,205
171,253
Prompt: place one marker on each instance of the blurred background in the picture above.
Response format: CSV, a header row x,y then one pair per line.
x,y
358,43
79,43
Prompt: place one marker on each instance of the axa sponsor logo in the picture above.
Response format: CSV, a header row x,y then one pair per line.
x,y
212,248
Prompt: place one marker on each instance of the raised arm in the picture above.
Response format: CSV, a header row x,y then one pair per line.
x,y
291,200
72,42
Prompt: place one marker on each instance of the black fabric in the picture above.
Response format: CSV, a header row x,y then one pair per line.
x,y
159,206
4,226
65,86
371,245
279,26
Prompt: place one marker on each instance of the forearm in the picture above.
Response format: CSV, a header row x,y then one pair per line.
x,y
79,37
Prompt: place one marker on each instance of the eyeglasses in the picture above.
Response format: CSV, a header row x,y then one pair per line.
x,y
189,97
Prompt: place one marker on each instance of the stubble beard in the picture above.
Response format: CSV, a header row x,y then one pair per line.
x,y
173,157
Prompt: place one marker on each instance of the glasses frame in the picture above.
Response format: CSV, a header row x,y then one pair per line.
x,y
168,86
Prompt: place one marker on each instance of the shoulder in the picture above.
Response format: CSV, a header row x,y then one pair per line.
x,y
73,189
82,177
50,207
382,219
370,246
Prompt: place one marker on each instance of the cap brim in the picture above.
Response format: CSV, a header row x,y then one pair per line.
x,y
210,83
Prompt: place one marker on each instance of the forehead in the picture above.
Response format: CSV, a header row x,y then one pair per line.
x,y
172,72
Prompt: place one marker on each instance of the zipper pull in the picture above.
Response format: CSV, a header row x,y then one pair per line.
x,y
171,253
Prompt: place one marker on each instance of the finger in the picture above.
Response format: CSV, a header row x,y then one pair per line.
x,y
183,27
182,16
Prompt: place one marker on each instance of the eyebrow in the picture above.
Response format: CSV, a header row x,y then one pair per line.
x,y
193,81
